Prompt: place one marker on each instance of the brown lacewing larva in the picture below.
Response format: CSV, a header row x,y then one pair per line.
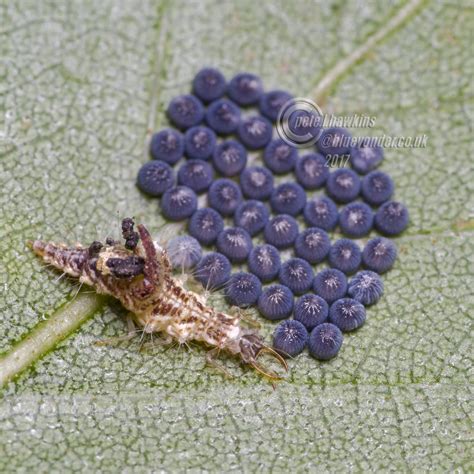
x,y
139,275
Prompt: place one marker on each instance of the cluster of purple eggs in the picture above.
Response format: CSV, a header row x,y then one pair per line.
x,y
328,302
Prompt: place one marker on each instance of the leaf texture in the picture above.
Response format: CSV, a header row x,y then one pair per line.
x,y
82,85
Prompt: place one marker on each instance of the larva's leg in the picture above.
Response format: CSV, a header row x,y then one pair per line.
x,y
131,333
132,329
160,340
111,341
211,360
245,316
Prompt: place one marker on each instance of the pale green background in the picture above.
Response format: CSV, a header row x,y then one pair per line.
x,y
81,83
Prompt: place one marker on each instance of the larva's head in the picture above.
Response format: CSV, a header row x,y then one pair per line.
x,y
121,261
129,260
114,259
136,259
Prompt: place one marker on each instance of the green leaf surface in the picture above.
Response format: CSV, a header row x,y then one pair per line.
x,y
82,85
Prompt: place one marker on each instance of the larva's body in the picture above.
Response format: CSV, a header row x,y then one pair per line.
x,y
140,277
